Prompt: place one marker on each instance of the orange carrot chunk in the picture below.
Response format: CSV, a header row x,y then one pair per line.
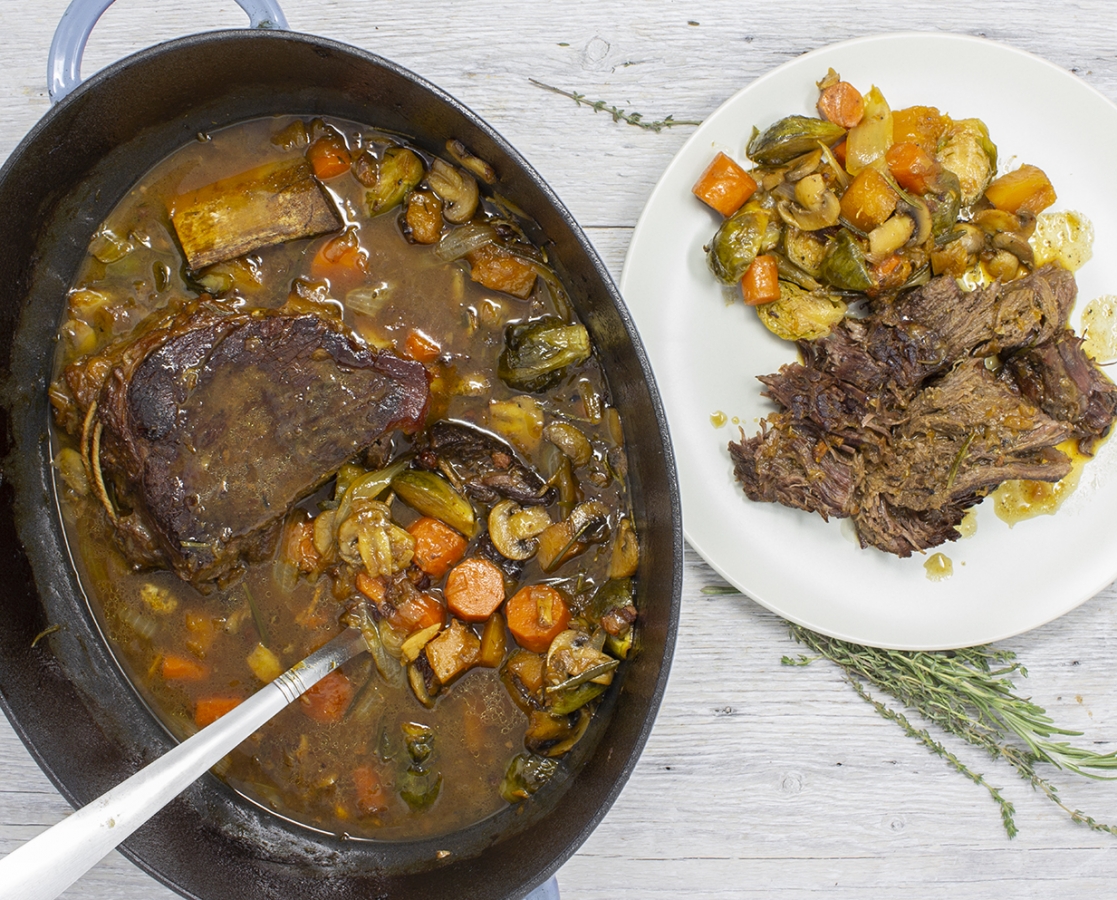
x,y
327,701
724,185
417,612
842,104
761,281
537,614
474,589
421,348
437,546
371,796
913,169
208,710
183,668
328,156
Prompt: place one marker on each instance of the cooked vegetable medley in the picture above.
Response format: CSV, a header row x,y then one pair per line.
x,y
309,376
958,371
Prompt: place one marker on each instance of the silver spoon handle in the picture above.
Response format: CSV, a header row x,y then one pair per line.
x,y
50,862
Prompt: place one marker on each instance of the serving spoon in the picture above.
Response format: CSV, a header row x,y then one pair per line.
x,y
51,861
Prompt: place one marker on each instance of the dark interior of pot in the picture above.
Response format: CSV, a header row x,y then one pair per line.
x,y
66,695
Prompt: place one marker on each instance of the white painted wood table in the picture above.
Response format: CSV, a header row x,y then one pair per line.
x,y
759,780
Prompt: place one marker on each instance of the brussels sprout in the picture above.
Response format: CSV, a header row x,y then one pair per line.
x,y
844,266
805,250
801,315
537,353
399,171
418,788
740,239
792,137
965,150
945,203
525,775
434,496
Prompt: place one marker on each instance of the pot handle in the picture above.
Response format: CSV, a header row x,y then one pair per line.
x,y
76,24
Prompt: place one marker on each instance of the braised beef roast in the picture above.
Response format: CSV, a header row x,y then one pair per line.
x,y
209,424
897,421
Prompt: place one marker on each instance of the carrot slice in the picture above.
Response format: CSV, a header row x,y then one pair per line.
x,y
724,186
371,796
208,710
437,546
761,281
327,701
842,104
328,156
474,589
183,668
342,260
537,614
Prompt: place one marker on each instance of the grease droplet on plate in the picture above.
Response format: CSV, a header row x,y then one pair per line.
x,y
939,567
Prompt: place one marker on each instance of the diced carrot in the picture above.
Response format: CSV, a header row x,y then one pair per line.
x,y
500,270
1025,188
208,710
342,260
327,701
420,347
373,587
417,612
868,200
371,796
328,156
913,169
839,151
537,614
724,185
842,104
183,668
437,546
298,544
474,589
761,281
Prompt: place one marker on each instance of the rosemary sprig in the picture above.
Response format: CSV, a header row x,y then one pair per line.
x,y
968,693
619,115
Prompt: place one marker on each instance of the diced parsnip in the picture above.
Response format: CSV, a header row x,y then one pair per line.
x,y
453,652
520,420
871,138
1025,188
158,600
494,642
500,270
889,236
266,205
869,200
414,645
724,185
264,664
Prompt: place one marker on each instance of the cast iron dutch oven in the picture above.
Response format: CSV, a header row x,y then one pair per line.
x,y
66,696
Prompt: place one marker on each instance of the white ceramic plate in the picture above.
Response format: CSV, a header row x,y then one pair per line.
x,y
707,353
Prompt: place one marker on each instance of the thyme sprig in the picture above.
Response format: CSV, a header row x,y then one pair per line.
x,y
619,115
968,693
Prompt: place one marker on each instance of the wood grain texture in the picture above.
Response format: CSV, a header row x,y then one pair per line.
x,y
759,780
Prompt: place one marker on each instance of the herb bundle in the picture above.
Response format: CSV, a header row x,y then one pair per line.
x,y
968,693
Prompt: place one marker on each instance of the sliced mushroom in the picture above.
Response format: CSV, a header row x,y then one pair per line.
x,y
815,205
457,190
570,441
1016,245
515,529
475,164
890,236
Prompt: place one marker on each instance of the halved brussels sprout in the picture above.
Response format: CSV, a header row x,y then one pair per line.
x,y
801,315
537,353
526,774
965,150
740,239
844,266
399,170
791,137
